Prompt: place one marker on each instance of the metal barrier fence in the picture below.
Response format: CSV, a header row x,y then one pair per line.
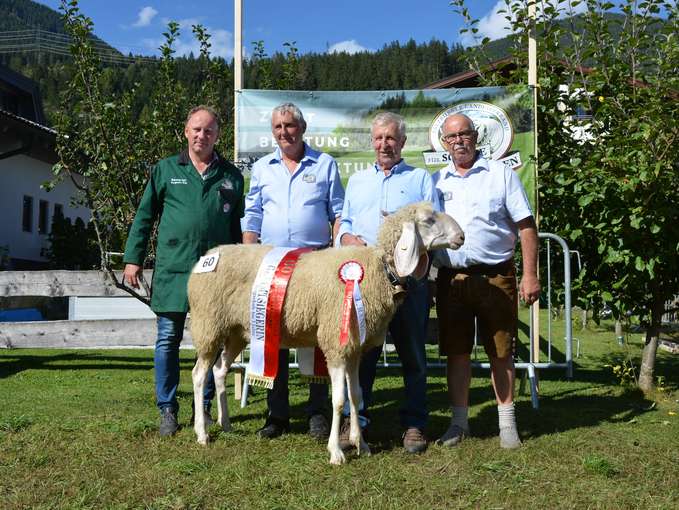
x,y
533,362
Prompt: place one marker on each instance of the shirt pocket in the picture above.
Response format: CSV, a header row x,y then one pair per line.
x,y
315,192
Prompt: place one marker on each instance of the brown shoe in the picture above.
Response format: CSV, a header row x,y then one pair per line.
x,y
414,440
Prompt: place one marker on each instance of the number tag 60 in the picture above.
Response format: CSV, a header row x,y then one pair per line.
x,y
207,263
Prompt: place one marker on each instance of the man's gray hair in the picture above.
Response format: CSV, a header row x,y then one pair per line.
x,y
387,118
203,108
293,109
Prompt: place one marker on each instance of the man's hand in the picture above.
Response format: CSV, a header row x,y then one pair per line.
x,y
352,240
131,274
529,289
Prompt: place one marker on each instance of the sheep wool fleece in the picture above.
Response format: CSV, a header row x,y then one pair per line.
x,y
195,214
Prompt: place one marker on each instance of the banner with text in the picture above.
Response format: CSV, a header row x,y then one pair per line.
x,y
339,123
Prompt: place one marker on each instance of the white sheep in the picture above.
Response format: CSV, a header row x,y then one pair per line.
x,y
220,307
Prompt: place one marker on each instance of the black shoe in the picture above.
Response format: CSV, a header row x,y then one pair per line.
x,y
318,427
168,422
273,427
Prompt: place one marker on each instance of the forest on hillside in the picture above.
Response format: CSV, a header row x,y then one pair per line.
x,y
396,65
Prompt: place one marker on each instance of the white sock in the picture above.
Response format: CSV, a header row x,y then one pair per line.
x,y
459,417
506,417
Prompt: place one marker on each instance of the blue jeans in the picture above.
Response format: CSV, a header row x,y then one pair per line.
x,y
408,331
166,361
277,398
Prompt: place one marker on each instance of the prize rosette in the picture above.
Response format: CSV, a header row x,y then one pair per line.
x,y
351,274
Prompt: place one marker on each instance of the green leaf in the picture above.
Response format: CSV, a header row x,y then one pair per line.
x,y
585,200
639,264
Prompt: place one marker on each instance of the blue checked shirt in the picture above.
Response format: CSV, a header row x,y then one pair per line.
x,y
293,209
370,192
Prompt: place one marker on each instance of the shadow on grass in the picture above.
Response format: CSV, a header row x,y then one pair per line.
x,y
14,362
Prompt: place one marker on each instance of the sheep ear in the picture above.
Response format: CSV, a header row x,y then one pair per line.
x,y
422,266
407,250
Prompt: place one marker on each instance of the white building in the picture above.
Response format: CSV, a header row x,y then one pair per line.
x,y
27,153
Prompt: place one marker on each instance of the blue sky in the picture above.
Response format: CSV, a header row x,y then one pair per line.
x,y
316,26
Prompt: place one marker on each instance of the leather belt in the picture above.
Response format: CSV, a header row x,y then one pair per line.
x,y
505,268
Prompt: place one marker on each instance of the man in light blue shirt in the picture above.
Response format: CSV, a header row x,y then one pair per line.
x,y
295,197
476,286
371,194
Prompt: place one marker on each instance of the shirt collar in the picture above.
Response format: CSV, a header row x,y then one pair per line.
x,y
397,168
309,153
185,159
480,164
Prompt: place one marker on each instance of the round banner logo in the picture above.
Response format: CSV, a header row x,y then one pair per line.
x,y
495,129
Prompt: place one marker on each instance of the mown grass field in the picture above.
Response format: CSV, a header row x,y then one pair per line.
x,y
78,430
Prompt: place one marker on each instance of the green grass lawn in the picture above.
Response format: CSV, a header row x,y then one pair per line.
x,y
78,430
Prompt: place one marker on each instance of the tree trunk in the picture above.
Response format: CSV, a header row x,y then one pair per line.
x,y
647,370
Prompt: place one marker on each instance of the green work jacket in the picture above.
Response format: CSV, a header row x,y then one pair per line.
x,y
194,215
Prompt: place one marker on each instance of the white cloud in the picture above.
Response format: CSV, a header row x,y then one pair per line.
x,y
144,17
495,25
221,41
350,47
184,24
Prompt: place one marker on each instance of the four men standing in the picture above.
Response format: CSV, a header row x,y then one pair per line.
x,y
296,199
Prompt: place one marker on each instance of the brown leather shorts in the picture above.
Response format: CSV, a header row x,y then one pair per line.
x,y
485,293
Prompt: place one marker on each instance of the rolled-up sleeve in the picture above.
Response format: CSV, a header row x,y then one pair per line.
x,y
252,217
346,222
335,193
429,192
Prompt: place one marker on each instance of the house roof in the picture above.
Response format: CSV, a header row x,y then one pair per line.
x,y
26,122
469,78
26,91
22,136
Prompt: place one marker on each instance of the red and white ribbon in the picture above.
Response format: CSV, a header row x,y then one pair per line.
x,y
351,274
312,365
266,305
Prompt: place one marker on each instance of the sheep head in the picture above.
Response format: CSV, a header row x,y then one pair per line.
x,y
410,232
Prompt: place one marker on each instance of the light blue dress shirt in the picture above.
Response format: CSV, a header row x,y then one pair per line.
x,y
370,193
487,202
293,209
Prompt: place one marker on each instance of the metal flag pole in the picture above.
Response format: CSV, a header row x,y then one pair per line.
x,y
533,84
237,68
237,86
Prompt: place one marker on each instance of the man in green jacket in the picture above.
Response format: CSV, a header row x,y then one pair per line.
x,y
197,198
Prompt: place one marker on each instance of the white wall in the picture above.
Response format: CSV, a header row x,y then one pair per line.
x,y
23,175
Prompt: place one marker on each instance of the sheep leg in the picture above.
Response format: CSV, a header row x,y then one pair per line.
x,y
199,376
355,435
219,370
337,375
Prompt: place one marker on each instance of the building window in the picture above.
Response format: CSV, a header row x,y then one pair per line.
x,y
58,211
27,217
43,215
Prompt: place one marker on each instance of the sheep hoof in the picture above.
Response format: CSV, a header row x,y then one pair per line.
x,y
204,440
337,457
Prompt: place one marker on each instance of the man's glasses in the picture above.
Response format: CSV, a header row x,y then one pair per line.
x,y
464,135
